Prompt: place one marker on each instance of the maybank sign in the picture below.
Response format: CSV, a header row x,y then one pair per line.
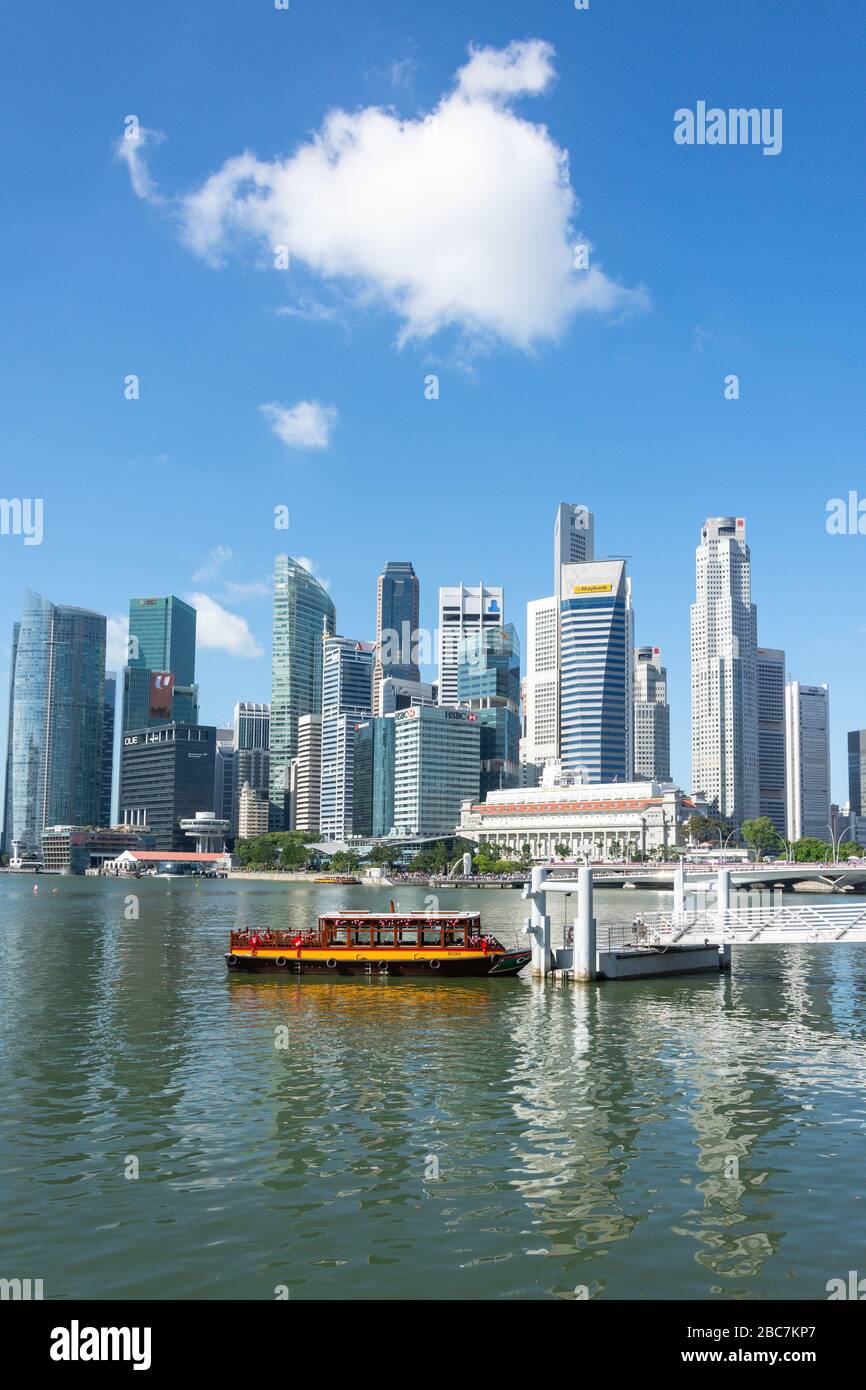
x,y
592,589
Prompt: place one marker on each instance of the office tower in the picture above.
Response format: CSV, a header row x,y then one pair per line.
x,y
541,713
57,719
396,693
253,813
772,798
159,677
347,698
107,768
437,764
463,610
596,681
373,789
857,772
224,760
303,612
308,777
807,759
252,759
724,672
398,602
6,837
652,717
166,776
573,540
488,682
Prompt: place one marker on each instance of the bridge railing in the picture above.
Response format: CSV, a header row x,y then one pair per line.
x,y
818,922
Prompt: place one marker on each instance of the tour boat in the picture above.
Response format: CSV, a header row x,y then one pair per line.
x,y
432,944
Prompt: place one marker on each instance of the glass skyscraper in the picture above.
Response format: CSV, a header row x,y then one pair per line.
x,y
596,682
488,682
347,694
303,613
107,775
57,719
161,644
398,599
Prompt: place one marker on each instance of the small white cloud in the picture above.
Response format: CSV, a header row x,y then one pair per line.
x,y
218,557
521,68
129,149
220,630
253,588
307,425
116,642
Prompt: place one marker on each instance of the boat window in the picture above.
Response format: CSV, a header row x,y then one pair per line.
x,y
362,936
408,936
454,936
431,936
384,936
338,935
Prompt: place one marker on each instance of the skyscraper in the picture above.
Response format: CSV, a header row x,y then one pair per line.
x,y
541,687
573,539
724,672
107,773
857,772
436,767
6,837
596,682
652,717
463,610
252,758
772,798
488,683
807,758
398,601
303,612
347,698
57,702
159,677
167,776
373,788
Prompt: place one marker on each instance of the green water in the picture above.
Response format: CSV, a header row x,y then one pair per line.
x,y
583,1137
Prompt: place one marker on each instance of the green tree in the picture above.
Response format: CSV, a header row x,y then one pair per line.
x,y
759,834
561,850
849,849
812,851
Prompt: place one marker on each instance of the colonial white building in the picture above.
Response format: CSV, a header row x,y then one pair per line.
x,y
595,820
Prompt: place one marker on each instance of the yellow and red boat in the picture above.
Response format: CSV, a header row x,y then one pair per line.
x,y
432,944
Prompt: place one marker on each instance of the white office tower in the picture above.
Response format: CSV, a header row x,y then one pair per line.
x,y
724,672
437,766
573,539
596,692
772,798
463,610
308,775
347,698
252,813
652,717
540,743
807,760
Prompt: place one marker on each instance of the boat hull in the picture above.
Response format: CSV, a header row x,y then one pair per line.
x,y
330,965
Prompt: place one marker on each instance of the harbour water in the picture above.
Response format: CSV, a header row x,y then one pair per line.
x,y
169,1131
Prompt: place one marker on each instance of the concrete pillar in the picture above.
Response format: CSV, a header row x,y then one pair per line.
x,y
585,962
723,893
542,958
679,893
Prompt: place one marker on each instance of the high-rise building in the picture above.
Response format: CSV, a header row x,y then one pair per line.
x,y
772,798
857,772
724,672
303,612
6,837
807,759
596,681
308,775
398,604
107,771
253,813
159,677
373,790
462,611
541,688
488,682
347,698
437,764
252,759
652,717
167,776
395,693
224,767
573,540
57,699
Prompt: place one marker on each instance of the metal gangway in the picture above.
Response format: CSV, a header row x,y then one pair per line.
x,y
776,925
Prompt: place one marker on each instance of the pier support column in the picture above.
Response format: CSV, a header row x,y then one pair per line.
x,y
679,894
585,965
542,956
723,894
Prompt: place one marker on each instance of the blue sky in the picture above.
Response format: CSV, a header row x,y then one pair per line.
x,y
716,260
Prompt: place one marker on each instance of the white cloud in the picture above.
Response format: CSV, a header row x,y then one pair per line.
x,y
307,425
223,631
129,149
462,218
116,642
252,588
213,564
